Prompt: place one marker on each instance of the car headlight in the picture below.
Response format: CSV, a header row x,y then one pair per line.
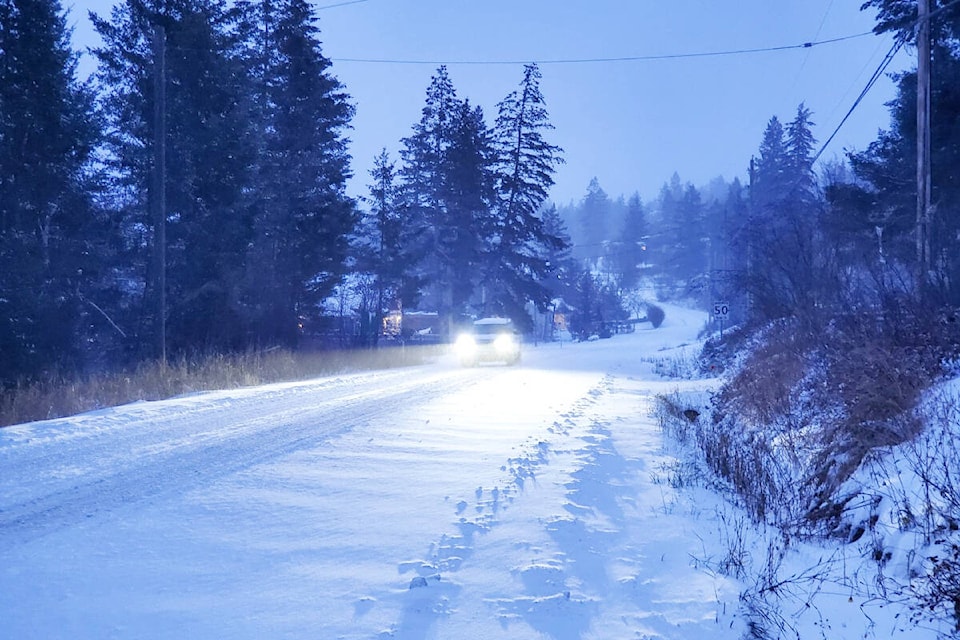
x,y
505,343
465,345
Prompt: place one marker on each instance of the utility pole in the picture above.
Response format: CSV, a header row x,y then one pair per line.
x,y
160,182
923,142
751,231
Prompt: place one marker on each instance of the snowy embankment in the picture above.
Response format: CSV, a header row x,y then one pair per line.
x,y
537,501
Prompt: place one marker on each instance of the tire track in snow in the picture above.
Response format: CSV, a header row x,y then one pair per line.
x,y
201,446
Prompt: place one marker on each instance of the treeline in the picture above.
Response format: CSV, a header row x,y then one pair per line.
x,y
802,238
190,197
848,339
106,261
744,244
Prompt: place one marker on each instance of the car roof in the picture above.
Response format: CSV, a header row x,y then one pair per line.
x,y
484,321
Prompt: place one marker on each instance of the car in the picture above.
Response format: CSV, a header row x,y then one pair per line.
x,y
489,340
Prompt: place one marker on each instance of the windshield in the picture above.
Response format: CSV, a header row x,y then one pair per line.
x,y
491,329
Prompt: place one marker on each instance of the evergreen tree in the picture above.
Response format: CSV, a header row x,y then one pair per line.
x,y
691,259
424,151
302,216
209,153
424,156
594,217
681,242
524,176
596,304
468,197
631,250
885,197
562,269
900,16
772,172
782,276
48,235
800,145
662,225
383,243
732,253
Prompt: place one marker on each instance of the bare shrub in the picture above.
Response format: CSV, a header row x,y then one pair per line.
x,y
932,457
722,354
680,366
755,438
761,388
939,591
740,461
876,369
764,480
733,534
668,411
812,397
809,403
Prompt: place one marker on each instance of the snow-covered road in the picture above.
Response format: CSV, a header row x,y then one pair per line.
x,y
431,502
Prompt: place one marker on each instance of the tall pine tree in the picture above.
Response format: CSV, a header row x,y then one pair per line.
x,y
447,189
563,269
383,243
680,244
47,241
209,153
594,216
782,267
526,164
468,197
631,250
771,179
800,145
302,216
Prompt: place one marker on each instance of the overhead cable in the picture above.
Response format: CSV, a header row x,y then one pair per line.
x,y
887,59
340,4
639,58
897,44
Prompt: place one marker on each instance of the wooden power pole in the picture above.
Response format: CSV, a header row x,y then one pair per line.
x,y
160,182
923,141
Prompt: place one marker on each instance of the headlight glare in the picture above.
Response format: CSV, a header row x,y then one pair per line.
x,y
465,345
505,343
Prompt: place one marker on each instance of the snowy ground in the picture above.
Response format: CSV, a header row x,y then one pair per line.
x,y
536,501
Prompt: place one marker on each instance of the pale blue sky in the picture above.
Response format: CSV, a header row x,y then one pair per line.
x,y
630,124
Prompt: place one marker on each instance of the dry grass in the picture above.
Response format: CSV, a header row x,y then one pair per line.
x,y
804,406
60,396
766,382
839,388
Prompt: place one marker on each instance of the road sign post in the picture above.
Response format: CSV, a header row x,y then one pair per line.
x,y
720,312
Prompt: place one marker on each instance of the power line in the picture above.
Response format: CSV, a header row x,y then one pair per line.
x,y
823,20
897,44
803,64
842,100
339,4
643,58
887,59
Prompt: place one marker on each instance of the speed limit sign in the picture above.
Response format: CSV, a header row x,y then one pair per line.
x,y
720,312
